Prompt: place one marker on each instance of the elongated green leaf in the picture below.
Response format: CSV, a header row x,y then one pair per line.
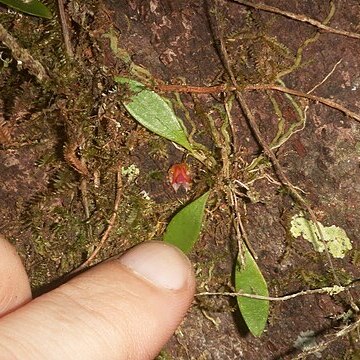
x,y
154,112
184,228
249,280
32,7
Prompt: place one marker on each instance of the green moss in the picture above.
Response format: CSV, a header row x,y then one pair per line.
x,y
74,112
164,355
156,175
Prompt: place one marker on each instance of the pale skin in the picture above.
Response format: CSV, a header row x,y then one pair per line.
x,y
126,308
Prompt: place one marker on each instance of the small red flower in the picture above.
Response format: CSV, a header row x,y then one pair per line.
x,y
179,175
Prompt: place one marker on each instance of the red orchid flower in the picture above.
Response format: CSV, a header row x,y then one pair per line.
x,y
179,175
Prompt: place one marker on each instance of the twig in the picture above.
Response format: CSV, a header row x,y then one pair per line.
x,y
315,98
65,29
299,17
239,227
224,87
23,56
331,290
193,89
110,224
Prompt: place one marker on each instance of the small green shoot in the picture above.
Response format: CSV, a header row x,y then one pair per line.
x,y
184,228
249,280
32,7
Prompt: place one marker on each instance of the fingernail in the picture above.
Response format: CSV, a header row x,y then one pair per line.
x,y
162,264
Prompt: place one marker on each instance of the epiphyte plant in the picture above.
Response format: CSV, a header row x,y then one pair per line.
x,y
157,115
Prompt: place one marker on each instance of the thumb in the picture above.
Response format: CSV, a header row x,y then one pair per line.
x,y
125,308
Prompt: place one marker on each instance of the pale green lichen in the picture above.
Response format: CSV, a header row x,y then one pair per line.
x,y
336,239
334,290
307,341
131,172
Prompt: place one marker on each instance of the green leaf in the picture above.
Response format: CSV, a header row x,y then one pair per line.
x,y
32,7
154,112
249,280
184,228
